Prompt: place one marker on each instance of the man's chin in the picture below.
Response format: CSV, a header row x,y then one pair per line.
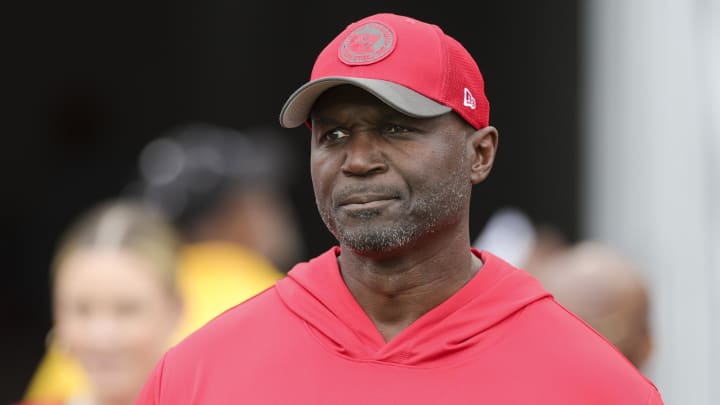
x,y
368,213
375,240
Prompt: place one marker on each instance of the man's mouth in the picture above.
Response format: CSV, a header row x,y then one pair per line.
x,y
366,201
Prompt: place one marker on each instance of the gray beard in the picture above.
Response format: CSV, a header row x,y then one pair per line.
x,y
441,204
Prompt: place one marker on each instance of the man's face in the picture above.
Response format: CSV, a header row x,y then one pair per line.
x,y
384,180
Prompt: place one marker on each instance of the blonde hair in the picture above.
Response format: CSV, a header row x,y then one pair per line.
x,y
124,224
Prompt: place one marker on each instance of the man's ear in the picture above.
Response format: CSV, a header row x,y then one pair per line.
x,y
482,145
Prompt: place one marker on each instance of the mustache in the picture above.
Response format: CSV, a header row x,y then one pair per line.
x,y
378,189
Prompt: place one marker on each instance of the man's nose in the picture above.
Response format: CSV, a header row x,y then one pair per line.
x,y
363,155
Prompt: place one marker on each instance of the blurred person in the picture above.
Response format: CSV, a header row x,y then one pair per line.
x,y
403,310
115,301
224,185
606,290
592,280
512,235
226,191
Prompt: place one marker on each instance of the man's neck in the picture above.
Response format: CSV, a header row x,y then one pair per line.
x,y
397,290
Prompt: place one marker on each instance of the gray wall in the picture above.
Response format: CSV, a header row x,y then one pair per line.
x,y
651,171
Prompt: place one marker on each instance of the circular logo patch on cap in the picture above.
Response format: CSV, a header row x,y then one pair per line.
x,y
369,43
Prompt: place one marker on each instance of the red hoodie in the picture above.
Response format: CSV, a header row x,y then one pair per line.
x,y
501,339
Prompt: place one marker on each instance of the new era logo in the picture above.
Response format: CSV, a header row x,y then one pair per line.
x,y
469,100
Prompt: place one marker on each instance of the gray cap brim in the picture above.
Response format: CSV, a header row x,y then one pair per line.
x,y
297,108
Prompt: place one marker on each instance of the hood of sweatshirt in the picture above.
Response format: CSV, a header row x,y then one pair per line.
x,y
316,292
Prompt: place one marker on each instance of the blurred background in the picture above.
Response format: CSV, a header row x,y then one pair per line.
x,y
608,113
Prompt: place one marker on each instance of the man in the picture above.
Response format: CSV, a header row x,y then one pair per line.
x,y
403,311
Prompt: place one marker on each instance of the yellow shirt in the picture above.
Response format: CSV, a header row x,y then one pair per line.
x,y
212,277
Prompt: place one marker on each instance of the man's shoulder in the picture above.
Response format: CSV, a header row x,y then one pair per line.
x,y
257,315
552,324
230,346
571,344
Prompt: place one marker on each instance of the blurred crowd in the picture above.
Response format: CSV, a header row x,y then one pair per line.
x,y
207,224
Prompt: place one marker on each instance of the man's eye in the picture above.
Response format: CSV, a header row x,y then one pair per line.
x,y
396,129
334,135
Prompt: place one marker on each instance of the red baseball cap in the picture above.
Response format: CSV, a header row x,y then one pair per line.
x,y
412,66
